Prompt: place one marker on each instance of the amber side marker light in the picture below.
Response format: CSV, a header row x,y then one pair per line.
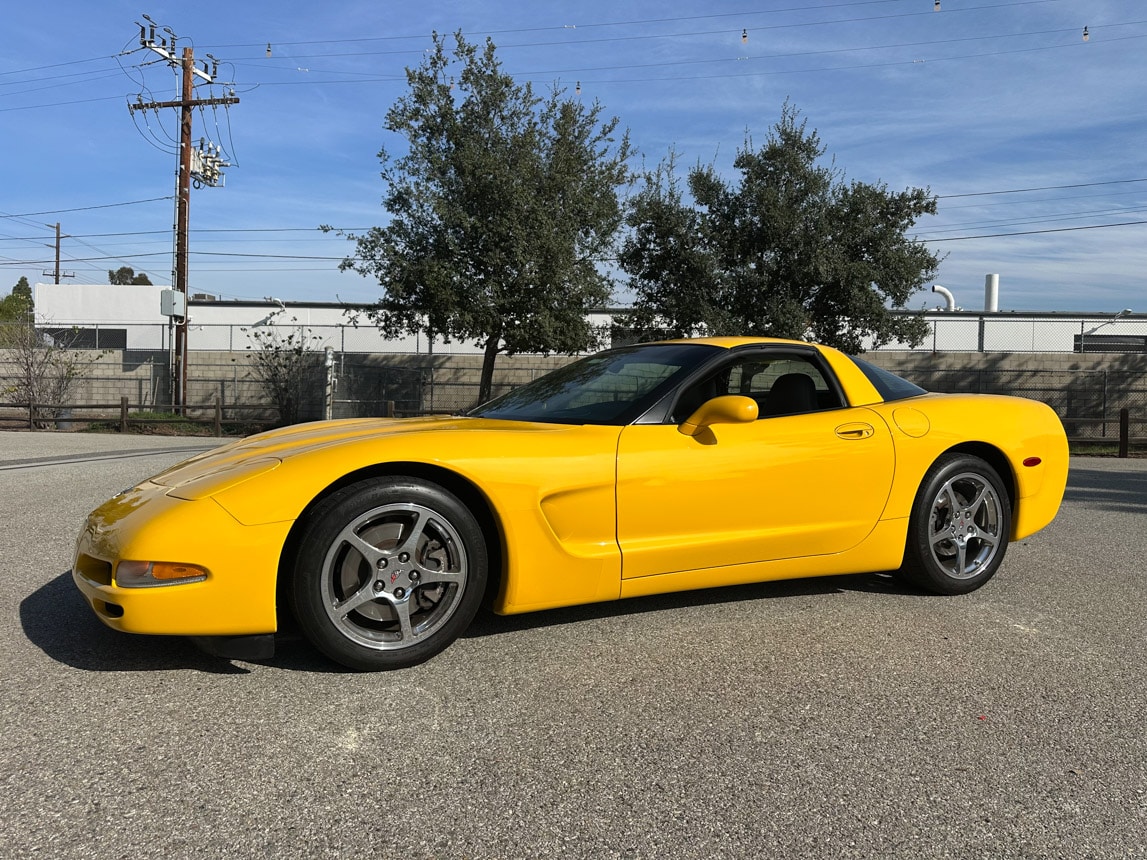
x,y
149,574
1032,461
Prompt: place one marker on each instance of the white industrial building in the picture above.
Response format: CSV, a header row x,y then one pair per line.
x,y
131,317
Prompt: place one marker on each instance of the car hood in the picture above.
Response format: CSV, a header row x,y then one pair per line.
x,y
243,459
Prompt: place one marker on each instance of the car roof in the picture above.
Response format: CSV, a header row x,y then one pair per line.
x,y
734,342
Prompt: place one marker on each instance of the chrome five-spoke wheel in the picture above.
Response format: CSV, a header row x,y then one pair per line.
x,y
394,575
388,573
959,528
964,525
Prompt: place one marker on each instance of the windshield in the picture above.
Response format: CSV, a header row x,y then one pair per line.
x,y
612,387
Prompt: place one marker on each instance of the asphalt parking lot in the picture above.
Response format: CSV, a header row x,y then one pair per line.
x,y
843,717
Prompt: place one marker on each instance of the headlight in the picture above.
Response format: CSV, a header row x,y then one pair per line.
x,y
149,574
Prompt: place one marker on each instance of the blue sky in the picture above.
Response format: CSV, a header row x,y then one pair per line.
x,y
1034,139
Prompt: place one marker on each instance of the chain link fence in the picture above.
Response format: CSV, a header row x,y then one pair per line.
x,y
1009,331
1088,372
949,331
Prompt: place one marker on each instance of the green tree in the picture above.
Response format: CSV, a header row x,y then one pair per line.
x,y
791,250
17,306
501,208
125,276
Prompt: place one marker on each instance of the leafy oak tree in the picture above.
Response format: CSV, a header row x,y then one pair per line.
x,y
791,250
501,207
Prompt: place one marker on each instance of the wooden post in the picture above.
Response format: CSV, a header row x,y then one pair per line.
x,y
218,417
123,415
1124,432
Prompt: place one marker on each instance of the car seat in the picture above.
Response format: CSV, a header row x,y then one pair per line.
x,y
791,394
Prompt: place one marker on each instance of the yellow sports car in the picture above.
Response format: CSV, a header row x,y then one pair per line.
x,y
640,470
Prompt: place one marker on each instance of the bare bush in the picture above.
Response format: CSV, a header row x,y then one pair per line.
x,y
283,361
42,371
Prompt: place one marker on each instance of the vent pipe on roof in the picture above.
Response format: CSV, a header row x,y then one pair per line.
x,y
947,294
991,293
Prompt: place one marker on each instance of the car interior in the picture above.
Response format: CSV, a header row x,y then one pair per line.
x,y
786,385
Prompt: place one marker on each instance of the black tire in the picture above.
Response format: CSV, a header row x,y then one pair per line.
x,y
959,528
388,573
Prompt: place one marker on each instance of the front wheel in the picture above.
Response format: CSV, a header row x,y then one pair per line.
x,y
388,573
959,527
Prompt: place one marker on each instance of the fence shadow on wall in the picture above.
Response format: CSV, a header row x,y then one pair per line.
x,y
1086,391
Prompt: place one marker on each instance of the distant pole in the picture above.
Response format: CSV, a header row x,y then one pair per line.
x,y
56,273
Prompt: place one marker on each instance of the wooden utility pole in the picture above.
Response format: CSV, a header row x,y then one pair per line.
x,y
56,273
183,220
186,103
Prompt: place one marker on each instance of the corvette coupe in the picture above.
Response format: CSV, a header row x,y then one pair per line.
x,y
640,470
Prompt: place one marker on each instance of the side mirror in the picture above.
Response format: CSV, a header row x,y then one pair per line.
x,y
730,409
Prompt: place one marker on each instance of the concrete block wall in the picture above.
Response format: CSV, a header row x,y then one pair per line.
x,y
449,382
105,377
224,375
899,362
140,376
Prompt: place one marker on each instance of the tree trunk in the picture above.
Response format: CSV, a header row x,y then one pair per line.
x,y
493,346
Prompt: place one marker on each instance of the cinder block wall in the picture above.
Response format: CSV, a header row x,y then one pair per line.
x,y
902,362
451,381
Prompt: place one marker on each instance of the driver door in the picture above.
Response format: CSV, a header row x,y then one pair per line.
x,y
805,478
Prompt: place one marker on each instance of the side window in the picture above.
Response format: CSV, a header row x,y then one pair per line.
x,y
791,386
781,385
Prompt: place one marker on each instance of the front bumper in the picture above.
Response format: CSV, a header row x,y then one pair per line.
x,y
145,524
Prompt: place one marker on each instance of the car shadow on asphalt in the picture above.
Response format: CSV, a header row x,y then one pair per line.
x,y
489,624
56,619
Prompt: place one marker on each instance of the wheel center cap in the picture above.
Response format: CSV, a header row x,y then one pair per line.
x,y
963,525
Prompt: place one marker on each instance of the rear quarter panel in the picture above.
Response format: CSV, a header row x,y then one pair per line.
x,y
1012,430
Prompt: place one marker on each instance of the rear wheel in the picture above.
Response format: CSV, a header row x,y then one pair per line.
x,y
959,527
389,572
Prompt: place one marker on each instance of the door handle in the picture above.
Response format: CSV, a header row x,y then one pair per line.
x,y
854,431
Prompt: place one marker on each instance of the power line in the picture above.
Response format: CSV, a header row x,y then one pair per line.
x,y
87,208
839,68
338,259
1039,232
678,61
62,104
368,77
642,22
1036,219
195,231
143,254
1040,188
